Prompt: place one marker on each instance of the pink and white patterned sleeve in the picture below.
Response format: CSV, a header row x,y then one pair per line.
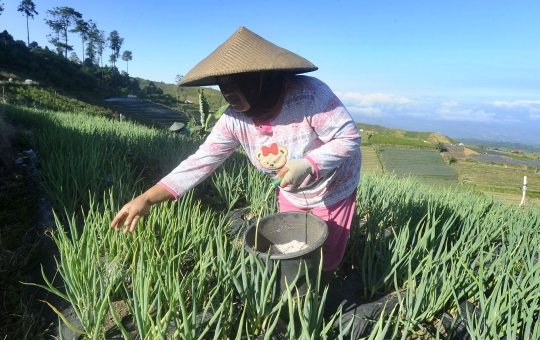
x,y
217,147
337,132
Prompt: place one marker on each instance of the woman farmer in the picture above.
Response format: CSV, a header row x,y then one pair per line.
x,y
291,127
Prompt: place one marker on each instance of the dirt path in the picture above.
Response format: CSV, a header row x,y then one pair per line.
x,y
436,137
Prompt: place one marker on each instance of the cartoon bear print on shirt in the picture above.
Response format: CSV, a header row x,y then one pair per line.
x,y
272,158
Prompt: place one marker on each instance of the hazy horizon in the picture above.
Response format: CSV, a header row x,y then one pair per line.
x,y
449,118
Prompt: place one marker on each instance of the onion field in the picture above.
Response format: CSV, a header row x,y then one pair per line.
x,y
184,275
370,160
426,165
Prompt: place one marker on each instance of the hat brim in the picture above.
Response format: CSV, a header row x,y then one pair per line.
x,y
244,52
212,79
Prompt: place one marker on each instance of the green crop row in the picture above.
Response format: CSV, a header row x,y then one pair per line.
x,y
370,160
182,275
428,166
401,142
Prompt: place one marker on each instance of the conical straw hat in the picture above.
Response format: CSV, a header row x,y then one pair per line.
x,y
177,126
244,51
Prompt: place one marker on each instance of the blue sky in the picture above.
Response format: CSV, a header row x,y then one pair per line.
x,y
461,68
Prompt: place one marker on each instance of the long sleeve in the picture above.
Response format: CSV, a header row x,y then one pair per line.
x,y
338,133
219,145
312,123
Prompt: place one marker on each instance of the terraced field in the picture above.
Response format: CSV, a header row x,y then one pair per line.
x,y
458,152
370,160
428,166
495,176
492,172
499,181
149,110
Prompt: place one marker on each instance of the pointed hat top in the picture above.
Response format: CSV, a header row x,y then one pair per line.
x,y
244,51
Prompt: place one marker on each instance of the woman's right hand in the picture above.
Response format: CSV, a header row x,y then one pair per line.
x,y
132,212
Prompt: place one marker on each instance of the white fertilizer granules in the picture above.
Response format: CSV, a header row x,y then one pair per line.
x,y
288,248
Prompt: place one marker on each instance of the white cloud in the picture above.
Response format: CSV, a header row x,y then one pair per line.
x,y
452,103
532,107
500,120
455,113
363,100
390,107
375,105
518,103
367,111
510,119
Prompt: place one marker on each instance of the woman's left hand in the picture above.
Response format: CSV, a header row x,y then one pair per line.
x,y
295,172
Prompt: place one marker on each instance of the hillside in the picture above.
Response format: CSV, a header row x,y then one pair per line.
x,y
183,94
496,173
422,136
502,145
60,84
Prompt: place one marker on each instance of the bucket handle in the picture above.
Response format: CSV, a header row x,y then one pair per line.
x,y
276,183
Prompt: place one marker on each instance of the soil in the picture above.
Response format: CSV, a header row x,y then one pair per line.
x,y
469,152
435,137
458,152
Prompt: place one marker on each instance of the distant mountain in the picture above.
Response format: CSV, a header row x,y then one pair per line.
x,y
523,130
501,145
434,137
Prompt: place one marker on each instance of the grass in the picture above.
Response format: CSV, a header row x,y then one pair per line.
x,y
498,179
402,142
392,132
507,160
214,97
509,198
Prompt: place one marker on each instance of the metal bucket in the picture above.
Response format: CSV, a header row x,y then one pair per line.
x,y
279,229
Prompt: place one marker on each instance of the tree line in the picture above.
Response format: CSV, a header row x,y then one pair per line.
x,y
65,20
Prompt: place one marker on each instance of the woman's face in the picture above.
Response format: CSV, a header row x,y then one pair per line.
x,y
232,94
240,90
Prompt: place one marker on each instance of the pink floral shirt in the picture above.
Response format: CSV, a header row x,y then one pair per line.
x,y
312,124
